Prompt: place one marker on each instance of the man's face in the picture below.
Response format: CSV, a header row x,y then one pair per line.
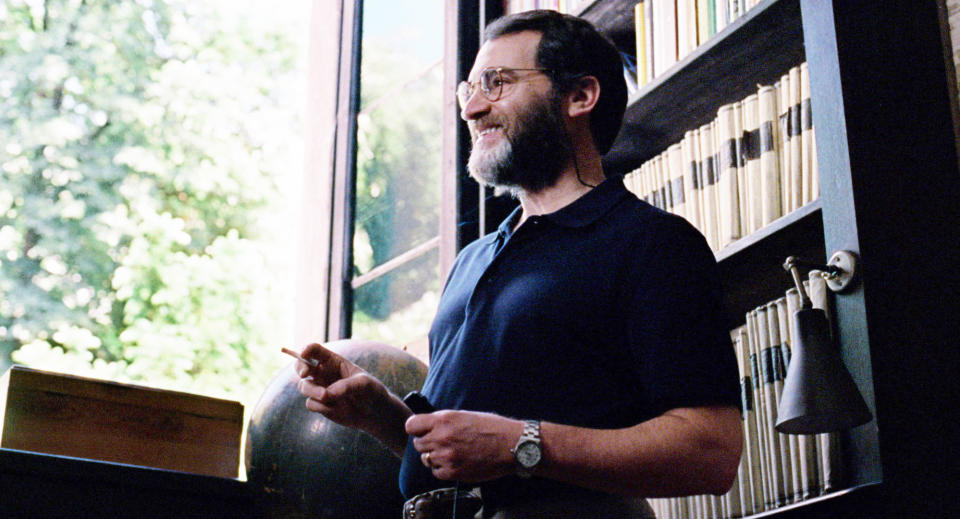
x,y
519,140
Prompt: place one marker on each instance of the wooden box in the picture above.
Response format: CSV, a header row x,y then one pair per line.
x,y
86,418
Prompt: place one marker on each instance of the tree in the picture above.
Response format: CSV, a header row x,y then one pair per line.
x,y
141,144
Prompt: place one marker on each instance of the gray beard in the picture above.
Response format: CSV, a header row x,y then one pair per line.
x,y
489,168
529,159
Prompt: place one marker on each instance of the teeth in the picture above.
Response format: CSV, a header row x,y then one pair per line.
x,y
488,130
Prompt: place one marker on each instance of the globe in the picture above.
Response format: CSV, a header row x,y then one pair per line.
x,y
306,466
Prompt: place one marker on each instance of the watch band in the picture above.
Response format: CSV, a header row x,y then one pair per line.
x,y
527,451
531,430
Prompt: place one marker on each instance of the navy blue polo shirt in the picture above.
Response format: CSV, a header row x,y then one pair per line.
x,y
603,314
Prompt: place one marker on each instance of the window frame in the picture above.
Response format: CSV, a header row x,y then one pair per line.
x,y
330,316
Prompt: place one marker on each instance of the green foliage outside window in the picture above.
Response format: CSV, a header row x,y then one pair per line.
x,y
140,148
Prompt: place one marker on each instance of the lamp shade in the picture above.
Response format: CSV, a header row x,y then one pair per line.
x,y
819,394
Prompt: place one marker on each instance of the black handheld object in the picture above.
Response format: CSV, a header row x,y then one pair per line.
x,y
418,403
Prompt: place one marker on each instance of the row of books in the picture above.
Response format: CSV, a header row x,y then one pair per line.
x,y
751,165
668,30
775,469
564,6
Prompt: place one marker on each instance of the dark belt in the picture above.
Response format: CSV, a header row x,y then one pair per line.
x,y
439,504
577,503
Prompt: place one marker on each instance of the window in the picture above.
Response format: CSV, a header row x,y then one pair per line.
x,y
395,278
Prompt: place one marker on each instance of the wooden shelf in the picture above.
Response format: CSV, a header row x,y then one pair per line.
x,y
615,19
841,503
751,267
756,49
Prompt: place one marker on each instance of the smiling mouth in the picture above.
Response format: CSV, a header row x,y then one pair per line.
x,y
490,130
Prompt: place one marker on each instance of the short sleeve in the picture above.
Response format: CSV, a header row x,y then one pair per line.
x,y
685,356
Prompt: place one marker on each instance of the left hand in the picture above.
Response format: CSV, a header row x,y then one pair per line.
x,y
465,445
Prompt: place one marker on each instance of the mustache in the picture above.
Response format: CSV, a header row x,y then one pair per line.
x,y
489,120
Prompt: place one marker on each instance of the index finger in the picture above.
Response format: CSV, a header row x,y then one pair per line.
x,y
325,365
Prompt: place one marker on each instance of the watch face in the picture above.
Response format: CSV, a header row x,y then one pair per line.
x,y
528,454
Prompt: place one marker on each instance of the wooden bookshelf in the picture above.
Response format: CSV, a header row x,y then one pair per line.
x,y
842,503
756,49
751,266
889,181
616,18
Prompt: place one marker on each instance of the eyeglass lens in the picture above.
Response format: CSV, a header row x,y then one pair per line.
x,y
490,85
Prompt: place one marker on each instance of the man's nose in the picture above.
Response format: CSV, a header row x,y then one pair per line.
x,y
475,107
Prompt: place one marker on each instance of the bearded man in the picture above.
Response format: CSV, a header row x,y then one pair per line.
x,y
578,357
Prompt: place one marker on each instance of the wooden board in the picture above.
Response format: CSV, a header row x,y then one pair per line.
x,y
86,418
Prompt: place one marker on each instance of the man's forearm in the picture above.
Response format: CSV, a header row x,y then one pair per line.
x,y
683,452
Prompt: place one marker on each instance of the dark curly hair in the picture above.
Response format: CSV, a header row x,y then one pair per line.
x,y
572,48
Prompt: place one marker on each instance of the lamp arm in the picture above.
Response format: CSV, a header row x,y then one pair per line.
x,y
840,273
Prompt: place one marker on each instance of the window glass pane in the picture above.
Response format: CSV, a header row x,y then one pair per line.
x,y
398,307
398,157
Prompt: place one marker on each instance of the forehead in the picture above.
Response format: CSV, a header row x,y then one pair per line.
x,y
515,50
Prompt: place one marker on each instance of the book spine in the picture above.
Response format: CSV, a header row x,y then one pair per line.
x,y
830,448
667,34
666,188
769,160
752,495
810,177
703,22
692,189
686,27
727,188
711,17
751,158
640,29
715,506
677,193
766,474
630,181
648,34
645,184
721,14
783,141
653,179
778,375
708,179
796,143
553,5
793,440
741,167
733,499
777,490
660,190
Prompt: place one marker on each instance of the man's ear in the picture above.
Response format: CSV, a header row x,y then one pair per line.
x,y
584,96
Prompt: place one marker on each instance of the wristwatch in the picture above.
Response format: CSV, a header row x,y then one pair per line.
x,y
527,452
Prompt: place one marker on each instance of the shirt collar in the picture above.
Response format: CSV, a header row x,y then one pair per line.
x,y
582,211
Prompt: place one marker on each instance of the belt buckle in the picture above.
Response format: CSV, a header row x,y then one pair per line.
x,y
438,504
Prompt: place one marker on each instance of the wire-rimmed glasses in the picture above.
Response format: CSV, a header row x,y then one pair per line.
x,y
491,82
